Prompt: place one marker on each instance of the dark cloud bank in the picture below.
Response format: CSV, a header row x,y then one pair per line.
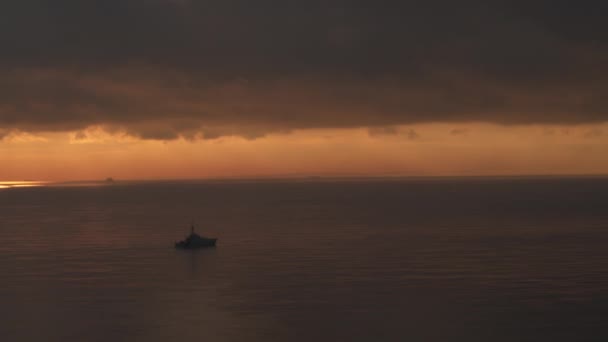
x,y
161,68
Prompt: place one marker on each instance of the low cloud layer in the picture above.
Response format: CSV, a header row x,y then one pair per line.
x,y
161,69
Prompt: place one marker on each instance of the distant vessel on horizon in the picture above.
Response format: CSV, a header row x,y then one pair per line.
x,y
195,241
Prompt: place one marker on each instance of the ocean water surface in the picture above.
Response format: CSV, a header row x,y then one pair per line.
x,y
471,259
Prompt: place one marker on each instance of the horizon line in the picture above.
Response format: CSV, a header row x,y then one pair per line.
x,y
345,177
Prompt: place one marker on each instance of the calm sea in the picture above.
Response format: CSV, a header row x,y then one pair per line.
x,y
387,260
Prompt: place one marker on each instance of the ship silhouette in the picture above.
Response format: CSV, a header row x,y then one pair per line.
x,y
195,241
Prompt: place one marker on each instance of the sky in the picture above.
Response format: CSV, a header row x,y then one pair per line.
x,y
163,89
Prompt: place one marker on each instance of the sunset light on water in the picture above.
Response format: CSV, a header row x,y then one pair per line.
x,y
20,184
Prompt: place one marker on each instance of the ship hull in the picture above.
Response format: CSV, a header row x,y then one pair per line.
x,y
206,243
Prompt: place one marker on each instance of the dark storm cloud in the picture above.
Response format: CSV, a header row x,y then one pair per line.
x,y
161,68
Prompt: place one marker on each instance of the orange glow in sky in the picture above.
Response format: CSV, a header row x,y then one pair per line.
x,y
414,150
